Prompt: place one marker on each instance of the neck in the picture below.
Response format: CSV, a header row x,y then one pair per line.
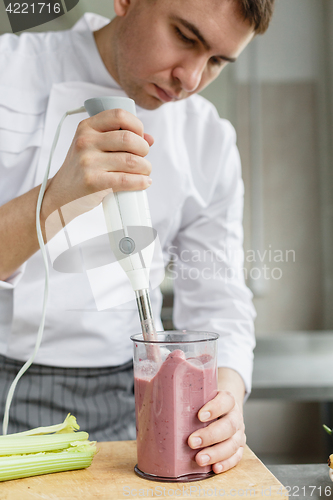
x,y
105,42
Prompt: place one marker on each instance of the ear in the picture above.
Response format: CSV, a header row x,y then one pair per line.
x,y
121,7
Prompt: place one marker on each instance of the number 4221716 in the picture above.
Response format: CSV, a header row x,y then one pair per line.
x,y
33,8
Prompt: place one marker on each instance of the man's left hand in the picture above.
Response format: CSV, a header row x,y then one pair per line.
x,y
224,439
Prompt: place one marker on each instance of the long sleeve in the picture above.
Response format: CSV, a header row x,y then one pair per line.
x,y
209,286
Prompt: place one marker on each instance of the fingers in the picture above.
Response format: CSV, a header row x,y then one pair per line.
x,y
126,162
217,431
223,403
227,464
115,162
115,119
107,152
221,451
149,138
125,149
121,140
221,442
121,181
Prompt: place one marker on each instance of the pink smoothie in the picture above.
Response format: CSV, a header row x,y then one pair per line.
x,y
167,405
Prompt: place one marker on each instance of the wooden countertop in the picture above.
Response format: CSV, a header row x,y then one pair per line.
x,y
111,476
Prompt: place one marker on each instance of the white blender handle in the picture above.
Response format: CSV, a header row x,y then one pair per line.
x,y
131,235
124,211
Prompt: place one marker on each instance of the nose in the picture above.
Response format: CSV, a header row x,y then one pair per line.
x,y
189,73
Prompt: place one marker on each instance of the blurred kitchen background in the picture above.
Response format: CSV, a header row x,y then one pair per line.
x,y
279,97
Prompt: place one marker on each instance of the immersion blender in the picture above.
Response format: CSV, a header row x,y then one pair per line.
x,y
131,237
130,230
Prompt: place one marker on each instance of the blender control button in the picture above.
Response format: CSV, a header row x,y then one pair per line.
x,y
127,245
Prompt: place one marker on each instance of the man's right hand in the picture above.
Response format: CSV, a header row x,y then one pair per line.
x,y
107,154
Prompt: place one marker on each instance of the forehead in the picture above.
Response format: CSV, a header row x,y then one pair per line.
x,y
219,21
207,10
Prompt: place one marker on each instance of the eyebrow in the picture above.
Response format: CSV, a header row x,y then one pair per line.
x,y
191,27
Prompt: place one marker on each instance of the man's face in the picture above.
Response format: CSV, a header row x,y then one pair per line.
x,y
165,50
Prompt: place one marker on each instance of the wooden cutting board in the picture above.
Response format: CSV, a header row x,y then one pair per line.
x,y
111,476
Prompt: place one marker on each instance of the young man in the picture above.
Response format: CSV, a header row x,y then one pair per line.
x,y
158,52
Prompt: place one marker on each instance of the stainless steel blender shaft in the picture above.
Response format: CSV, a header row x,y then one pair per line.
x,y
146,315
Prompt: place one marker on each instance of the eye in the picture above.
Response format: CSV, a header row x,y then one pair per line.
x,y
184,38
217,61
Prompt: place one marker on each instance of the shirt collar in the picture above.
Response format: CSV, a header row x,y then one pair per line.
x,y
87,50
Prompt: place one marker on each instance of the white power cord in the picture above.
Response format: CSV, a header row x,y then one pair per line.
x,y
46,267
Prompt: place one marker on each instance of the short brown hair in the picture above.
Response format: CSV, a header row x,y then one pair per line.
x,y
257,12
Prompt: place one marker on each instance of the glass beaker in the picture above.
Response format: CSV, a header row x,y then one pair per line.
x,y
168,396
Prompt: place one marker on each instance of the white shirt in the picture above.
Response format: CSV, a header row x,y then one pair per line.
x,y
196,204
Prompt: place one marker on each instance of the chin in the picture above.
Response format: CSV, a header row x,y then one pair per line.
x,y
148,102
151,105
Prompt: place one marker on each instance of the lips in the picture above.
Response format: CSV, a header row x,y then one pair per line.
x,y
165,96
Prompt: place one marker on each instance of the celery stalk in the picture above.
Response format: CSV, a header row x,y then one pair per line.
x,y
34,444
44,450
18,466
68,425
